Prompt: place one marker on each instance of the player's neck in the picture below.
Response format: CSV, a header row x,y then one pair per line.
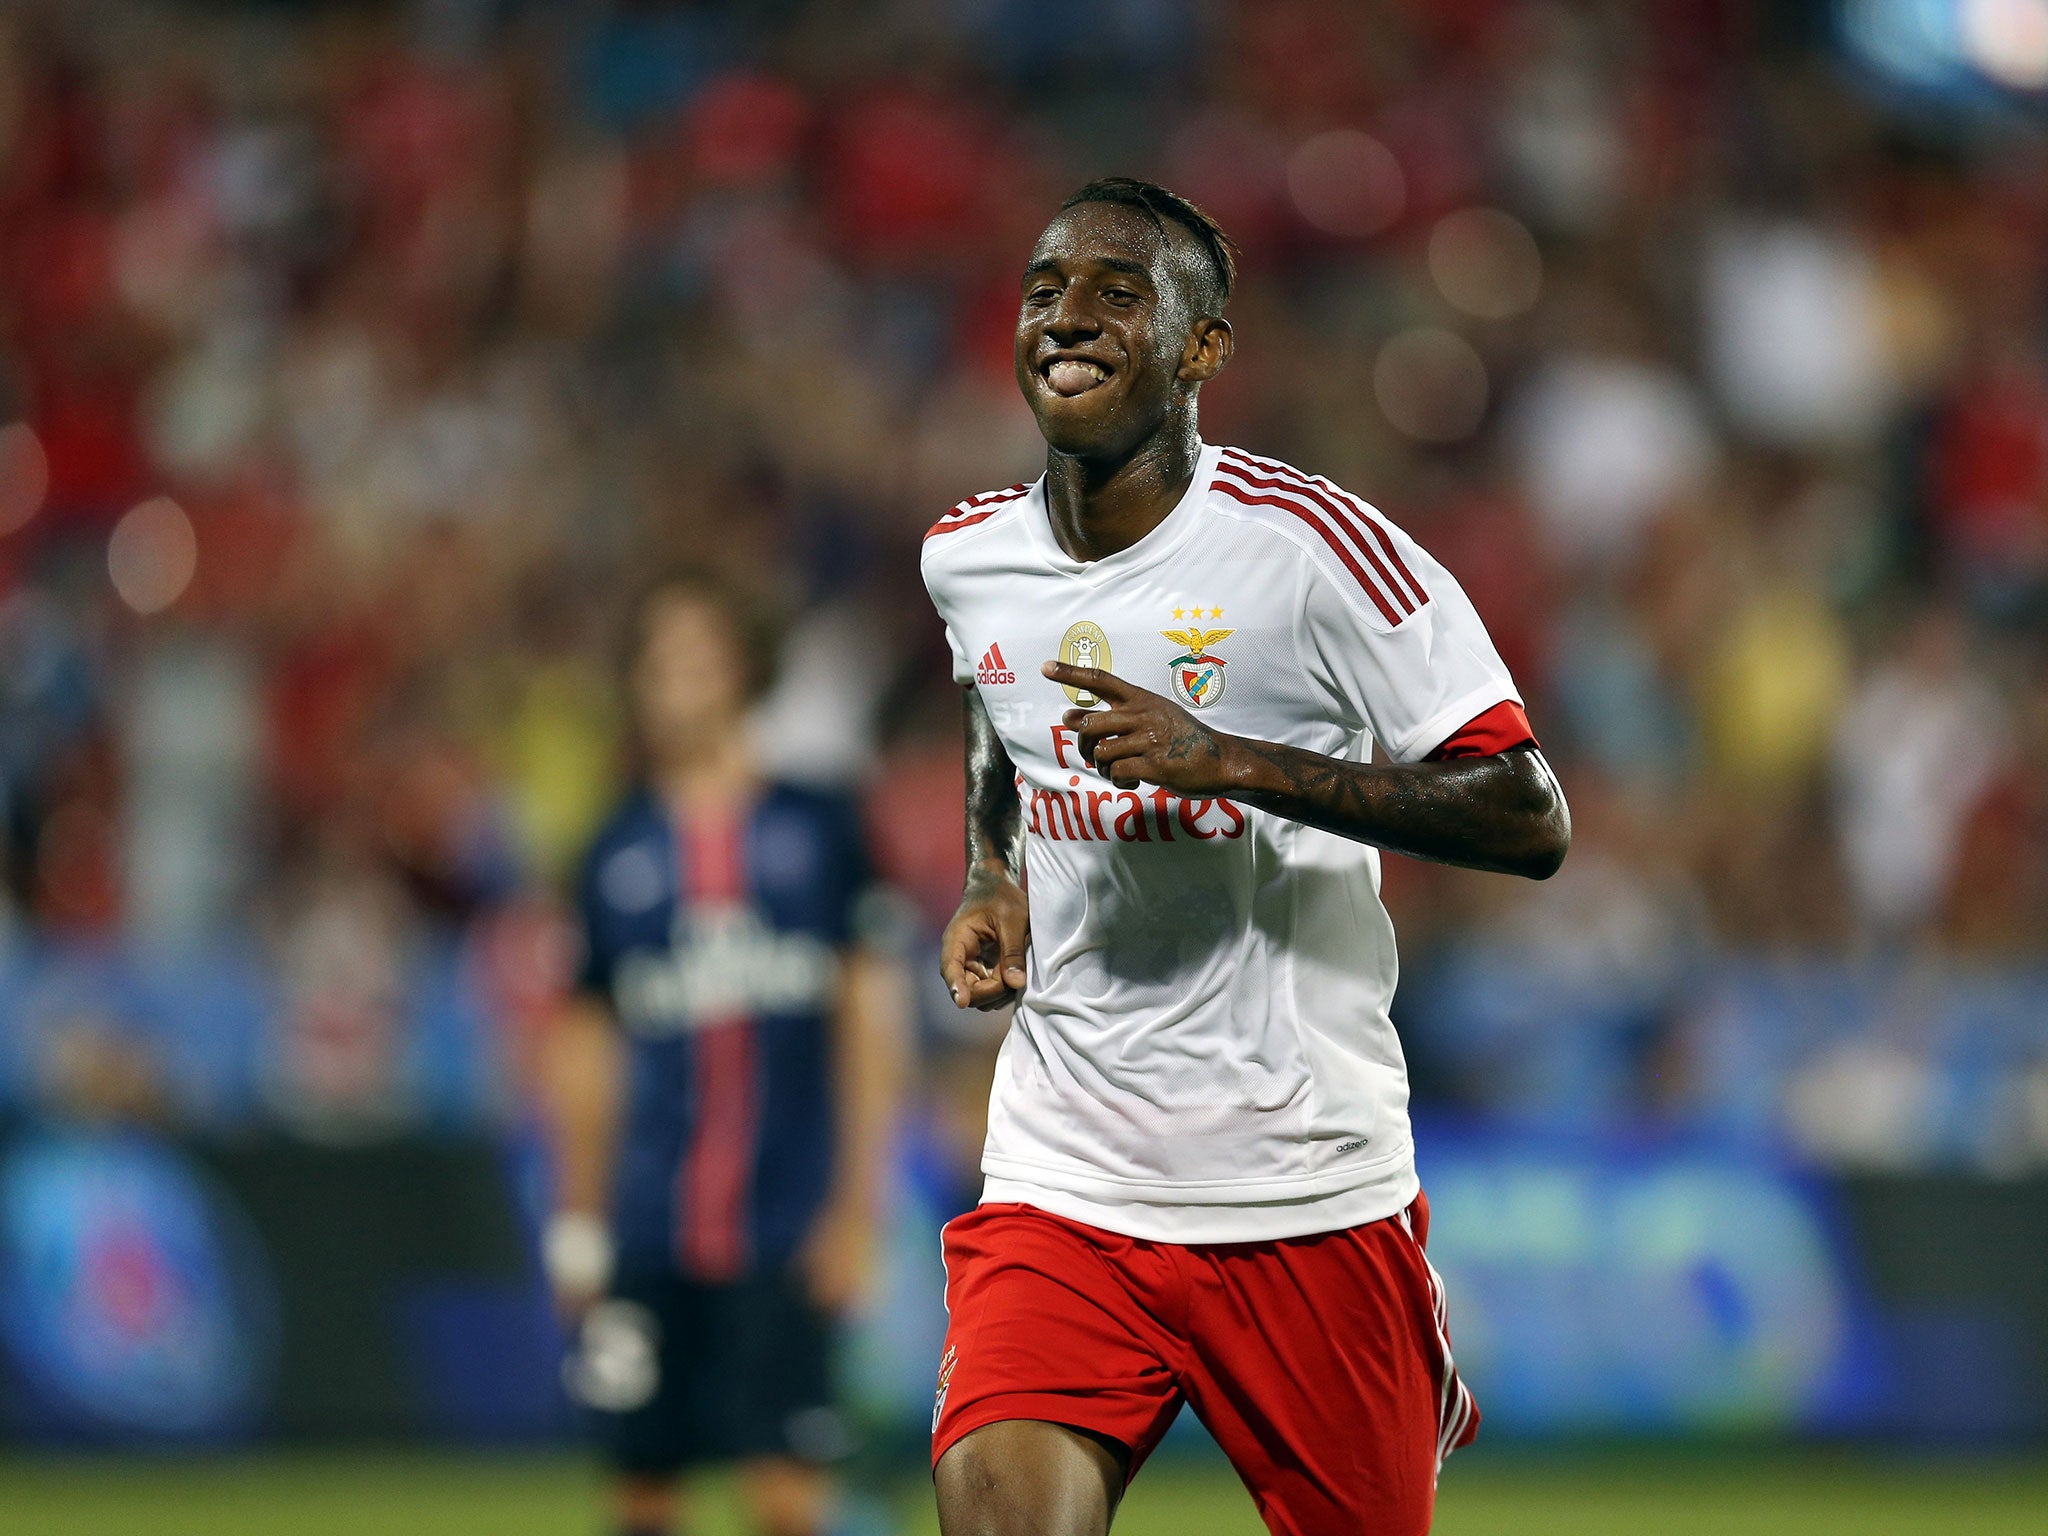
x,y
1098,507
714,778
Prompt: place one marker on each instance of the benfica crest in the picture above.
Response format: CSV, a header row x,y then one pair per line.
x,y
1197,676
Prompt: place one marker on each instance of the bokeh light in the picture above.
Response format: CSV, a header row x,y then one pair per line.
x,y
2008,40
1486,263
24,475
1346,183
152,555
1430,384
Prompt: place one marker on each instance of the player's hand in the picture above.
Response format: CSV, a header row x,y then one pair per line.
x,y
981,955
1144,737
838,1256
576,1252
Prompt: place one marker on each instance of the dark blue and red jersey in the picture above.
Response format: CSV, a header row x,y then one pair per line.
x,y
716,942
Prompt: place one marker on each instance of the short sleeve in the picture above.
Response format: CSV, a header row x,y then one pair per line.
x,y
1410,672
963,664
1502,728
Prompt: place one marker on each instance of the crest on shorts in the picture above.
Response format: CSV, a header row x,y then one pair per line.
x,y
947,1361
1084,645
1197,675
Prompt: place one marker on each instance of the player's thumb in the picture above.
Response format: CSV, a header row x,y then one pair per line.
x,y
1011,966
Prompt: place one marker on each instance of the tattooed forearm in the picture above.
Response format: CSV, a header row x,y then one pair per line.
x,y
1504,813
995,816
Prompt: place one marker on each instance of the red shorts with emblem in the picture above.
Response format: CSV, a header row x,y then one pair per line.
x,y
1321,1364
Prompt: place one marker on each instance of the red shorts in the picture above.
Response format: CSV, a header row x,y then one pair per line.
x,y
1321,1364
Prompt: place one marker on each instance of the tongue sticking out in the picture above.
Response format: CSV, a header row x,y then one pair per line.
x,y
1072,378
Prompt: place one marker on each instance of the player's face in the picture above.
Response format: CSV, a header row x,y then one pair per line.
x,y
1105,329
689,679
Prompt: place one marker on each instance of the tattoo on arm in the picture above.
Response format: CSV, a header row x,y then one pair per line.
x,y
1504,813
995,816
1188,741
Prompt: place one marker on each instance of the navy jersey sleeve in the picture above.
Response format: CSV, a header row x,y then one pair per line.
x,y
855,891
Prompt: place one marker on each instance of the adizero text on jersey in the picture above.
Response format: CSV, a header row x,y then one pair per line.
x,y
1203,1051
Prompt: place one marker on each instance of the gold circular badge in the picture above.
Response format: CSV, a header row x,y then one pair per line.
x,y
1084,645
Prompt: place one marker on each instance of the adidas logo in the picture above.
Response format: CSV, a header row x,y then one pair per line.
x,y
993,670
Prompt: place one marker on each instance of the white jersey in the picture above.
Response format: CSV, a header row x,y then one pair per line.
x,y
1203,1051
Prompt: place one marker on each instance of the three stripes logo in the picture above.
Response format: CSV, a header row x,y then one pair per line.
x,y
1353,532
993,671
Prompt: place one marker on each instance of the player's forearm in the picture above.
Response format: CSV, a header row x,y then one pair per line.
x,y
581,1101
874,1001
995,817
1504,813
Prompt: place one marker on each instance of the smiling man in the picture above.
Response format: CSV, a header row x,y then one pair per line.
x,y
1200,1186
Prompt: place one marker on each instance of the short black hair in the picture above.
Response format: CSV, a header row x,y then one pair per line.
x,y
1158,204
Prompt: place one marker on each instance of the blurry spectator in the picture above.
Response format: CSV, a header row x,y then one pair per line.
x,y
1561,125
1792,335
1915,750
1632,915
817,724
190,747
559,751
1773,682
1987,484
48,697
1606,438
340,1062
1997,902
1626,716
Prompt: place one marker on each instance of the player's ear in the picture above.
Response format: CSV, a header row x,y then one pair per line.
x,y
1207,350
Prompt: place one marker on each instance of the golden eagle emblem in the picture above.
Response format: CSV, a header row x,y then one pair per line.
x,y
1196,641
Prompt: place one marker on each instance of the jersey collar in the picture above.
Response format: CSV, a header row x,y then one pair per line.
x,y
1173,529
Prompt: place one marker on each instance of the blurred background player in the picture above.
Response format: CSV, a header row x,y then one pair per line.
x,y
722,1087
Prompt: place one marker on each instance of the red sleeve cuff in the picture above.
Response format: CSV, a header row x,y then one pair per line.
x,y
1499,729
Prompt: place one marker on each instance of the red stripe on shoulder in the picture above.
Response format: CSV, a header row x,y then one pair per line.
x,y
975,509
1004,494
1409,589
1347,522
1386,543
1251,498
955,524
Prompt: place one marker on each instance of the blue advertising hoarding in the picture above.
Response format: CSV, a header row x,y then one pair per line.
x,y
159,1290
134,1301
1604,1286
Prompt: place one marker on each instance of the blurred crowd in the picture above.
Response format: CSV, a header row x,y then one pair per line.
x,y
357,361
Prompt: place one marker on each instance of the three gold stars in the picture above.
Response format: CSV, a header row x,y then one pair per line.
x,y
1196,613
